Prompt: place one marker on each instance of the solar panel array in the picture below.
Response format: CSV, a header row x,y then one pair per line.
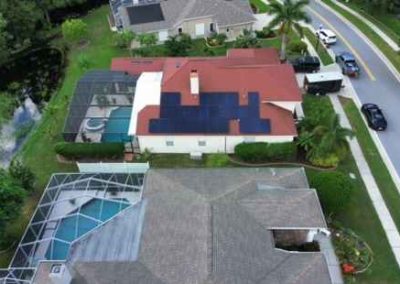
x,y
211,116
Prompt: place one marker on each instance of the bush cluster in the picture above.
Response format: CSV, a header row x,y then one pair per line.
x,y
90,150
264,152
297,47
334,190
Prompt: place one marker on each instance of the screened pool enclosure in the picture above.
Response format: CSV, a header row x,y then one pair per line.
x,y
72,206
101,108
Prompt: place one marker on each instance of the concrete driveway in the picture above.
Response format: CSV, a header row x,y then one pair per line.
x,y
377,84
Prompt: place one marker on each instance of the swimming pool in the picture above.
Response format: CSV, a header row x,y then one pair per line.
x,y
117,126
72,227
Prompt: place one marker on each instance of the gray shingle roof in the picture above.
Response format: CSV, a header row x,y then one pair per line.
x,y
175,12
212,226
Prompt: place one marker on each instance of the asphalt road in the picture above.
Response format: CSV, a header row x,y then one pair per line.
x,y
376,84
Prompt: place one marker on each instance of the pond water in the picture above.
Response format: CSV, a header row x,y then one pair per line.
x,y
32,78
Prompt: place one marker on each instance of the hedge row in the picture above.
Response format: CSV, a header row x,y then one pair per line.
x,y
266,152
90,150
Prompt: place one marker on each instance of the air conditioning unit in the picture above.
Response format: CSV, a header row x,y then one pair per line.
x,y
59,274
196,155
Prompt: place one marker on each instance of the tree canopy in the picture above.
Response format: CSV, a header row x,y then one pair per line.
x,y
74,30
11,199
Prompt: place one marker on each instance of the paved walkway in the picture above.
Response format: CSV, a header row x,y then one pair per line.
x,y
374,193
374,27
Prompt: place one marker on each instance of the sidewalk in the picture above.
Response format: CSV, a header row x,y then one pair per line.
x,y
375,28
374,193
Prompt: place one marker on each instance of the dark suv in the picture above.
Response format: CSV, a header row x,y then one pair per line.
x,y
307,64
348,64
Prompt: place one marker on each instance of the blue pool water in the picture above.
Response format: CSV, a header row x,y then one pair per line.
x,y
71,228
117,126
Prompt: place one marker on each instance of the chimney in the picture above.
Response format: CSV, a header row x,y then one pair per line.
x,y
194,82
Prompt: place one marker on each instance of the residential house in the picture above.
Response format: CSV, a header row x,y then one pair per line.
x,y
209,105
198,18
175,226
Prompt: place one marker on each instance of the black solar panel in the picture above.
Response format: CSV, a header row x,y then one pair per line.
x,y
212,116
145,14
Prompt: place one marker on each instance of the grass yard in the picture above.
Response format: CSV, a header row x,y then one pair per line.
x,y
322,52
361,217
374,159
260,5
375,38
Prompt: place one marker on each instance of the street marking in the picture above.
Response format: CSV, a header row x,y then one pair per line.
x,y
356,54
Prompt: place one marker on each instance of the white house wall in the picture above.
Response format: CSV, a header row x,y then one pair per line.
x,y
191,144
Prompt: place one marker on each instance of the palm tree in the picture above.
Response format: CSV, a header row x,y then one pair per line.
x,y
324,139
287,16
334,136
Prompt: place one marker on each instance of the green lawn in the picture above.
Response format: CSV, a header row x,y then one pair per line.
x,y
261,6
321,50
361,217
374,159
376,39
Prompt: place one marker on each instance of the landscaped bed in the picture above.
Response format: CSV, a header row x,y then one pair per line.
x,y
355,255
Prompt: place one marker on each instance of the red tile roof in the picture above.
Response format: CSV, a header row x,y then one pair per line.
x,y
241,71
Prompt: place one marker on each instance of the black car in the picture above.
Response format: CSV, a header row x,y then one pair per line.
x,y
307,64
374,116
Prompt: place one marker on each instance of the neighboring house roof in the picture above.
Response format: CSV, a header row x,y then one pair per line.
x,y
214,226
175,12
255,76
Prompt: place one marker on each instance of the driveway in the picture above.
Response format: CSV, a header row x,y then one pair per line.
x,y
377,84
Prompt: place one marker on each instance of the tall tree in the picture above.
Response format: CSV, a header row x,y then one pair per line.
x,y
22,18
287,17
47,5
11,200
4,51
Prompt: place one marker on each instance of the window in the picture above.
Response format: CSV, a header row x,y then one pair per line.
x,y
169,143
202,143
212,27
228,30
180,30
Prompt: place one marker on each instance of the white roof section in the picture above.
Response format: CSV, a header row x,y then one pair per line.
x,y
323,77
148,92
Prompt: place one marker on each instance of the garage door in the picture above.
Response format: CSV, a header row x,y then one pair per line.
x,y
200,29
163,35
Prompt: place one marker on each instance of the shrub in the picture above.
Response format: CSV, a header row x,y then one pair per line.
x,y
147,39
297,47
22,174
334,190
74,30
329,161
265,33
83,62
216,39
261,151
123,39
90,150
